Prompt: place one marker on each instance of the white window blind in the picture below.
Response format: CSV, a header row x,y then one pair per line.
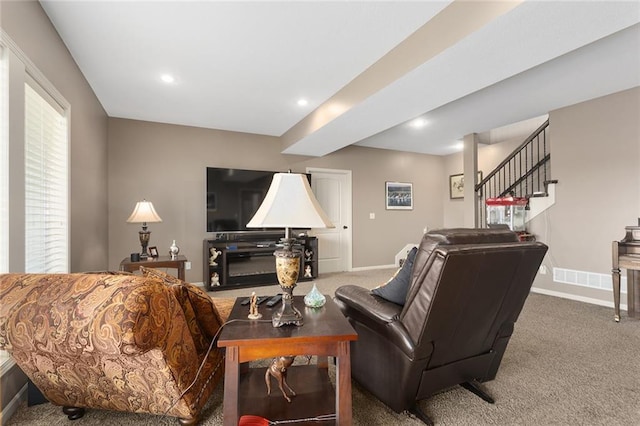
x,y
4,165
46,183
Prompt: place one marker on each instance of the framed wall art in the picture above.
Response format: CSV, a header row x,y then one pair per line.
x,y
456,185
399,196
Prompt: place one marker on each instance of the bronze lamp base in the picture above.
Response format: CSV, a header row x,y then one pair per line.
x,y
287,270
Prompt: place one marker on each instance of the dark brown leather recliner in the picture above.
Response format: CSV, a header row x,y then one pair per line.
x,y
467,289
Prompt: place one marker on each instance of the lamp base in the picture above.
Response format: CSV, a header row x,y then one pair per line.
x,y
287,270
288,313
144,242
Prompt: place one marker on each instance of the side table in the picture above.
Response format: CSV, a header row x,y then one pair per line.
x,y
626,255
326,332
156,262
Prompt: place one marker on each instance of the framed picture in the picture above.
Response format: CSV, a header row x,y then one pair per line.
x,y
153,251
456,185
399,196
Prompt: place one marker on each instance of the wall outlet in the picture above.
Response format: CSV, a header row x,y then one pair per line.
x,y
542,270
187,265
372,215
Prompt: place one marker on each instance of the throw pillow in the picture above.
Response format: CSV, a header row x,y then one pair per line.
x,y
395,290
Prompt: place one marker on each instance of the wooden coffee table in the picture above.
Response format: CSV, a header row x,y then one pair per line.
x,y
326,332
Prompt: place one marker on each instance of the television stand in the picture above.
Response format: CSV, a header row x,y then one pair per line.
x,y
245,260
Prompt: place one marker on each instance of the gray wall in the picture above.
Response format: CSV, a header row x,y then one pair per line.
x,y
166,165
489,156
29,27
595,154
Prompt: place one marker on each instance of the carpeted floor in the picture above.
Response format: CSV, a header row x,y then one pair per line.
x,y
568,363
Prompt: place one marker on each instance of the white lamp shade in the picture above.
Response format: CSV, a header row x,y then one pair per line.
x,y
290,203
144,212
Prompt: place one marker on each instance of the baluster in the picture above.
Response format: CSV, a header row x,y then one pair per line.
x,y
544,141
526,181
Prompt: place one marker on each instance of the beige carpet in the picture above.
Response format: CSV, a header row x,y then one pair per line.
x,y
568,363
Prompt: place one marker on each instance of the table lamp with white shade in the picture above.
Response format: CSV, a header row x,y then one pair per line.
x,y
289,203
144,213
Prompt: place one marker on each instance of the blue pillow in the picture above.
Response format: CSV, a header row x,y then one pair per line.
x,y
395,290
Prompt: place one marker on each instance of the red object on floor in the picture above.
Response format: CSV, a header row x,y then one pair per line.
x,y
248,420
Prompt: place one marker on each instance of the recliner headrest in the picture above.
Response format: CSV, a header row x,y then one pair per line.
x,y
470,236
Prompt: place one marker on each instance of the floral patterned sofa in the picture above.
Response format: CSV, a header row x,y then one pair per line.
x,y
114,341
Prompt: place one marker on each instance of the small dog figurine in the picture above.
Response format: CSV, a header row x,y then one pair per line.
x,y
278,369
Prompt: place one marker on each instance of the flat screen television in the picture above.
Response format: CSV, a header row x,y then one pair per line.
x,y
233,197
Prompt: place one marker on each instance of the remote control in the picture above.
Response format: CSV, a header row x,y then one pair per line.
x,y
245,301
275,299
261,299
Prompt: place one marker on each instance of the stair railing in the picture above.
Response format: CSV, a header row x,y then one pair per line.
x,y
524,173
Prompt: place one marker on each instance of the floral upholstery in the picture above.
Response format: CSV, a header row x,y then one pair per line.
x,y
198,299
117,342
206,324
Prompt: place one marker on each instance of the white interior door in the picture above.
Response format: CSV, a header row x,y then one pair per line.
x,y
332,188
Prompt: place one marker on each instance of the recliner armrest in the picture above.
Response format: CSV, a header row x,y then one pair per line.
x,y
363,301
361,306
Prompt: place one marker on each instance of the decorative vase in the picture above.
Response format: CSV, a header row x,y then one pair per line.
x,y
314,299
174,250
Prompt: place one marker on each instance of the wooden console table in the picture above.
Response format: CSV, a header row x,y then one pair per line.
x,y
156,262
326,332
626,254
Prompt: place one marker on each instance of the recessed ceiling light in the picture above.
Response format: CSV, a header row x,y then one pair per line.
x,y
303,102
419,123
459,145
167,78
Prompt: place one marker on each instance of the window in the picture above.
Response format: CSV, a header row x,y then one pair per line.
x,y
34,167
46,183
42,197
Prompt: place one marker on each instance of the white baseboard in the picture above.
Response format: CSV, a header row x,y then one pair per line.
x,y
13,405
370,268
577,298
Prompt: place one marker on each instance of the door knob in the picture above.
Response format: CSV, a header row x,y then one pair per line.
x,y
345,227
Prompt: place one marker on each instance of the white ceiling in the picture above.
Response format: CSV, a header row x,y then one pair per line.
x,y
242,66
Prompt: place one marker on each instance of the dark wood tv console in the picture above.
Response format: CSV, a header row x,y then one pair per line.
x,y
244,259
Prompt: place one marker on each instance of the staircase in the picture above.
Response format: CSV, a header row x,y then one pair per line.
x,y
524,173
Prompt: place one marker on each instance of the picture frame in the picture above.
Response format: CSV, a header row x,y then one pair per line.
x,y
456,185
399,196
153,251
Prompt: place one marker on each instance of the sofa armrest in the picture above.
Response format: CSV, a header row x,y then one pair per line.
x,y
82,313
359,305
